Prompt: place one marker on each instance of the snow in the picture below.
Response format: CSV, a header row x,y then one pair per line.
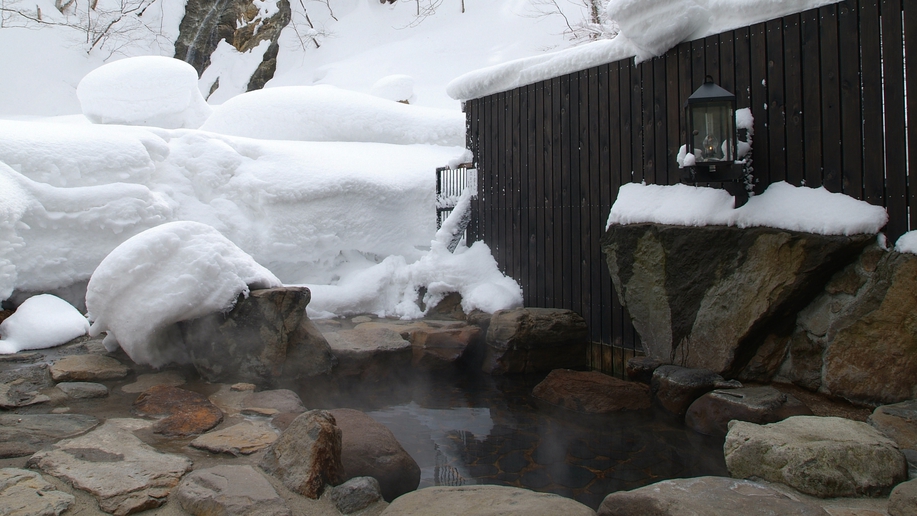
x,y
782,206
907,243
233,70
399,88
40,322
173,272
327,113
654,26
146,90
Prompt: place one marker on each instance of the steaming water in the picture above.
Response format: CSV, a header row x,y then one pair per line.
x,y
478,429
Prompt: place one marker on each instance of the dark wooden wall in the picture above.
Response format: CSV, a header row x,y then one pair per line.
x,y
551,155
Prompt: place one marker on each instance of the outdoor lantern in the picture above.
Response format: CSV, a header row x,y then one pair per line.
x,y
711,134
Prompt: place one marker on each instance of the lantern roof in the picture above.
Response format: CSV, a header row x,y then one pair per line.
x,y
710,91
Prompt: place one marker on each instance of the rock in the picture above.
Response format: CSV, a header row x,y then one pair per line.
x,y
707,297
449,307
677,387
437,348
484,500
528,340
88,368
265,339
903,500
146,381
370,350
272,402
242,387
640,369
711,413
356,494
240,439
123,473
186,412
83,390
820,456
371,450
708,496
307,455
898,422
24,434
592,392
26,493
229,491
20,387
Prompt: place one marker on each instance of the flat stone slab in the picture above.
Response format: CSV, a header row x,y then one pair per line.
x,y
88,368
676,387
369,349
24,434
821,456
272,402
20,387
898,422
241,439
83,390
592,392
185,412
111,463
709,496
146,381
26,493
229,490
711,413
484,500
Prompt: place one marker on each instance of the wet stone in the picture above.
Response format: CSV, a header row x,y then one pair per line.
x,y
24,434
229,490
356,494
513,462
20,387
186,412
26,493
241,439
273,402
536,479
87,368
147,381
83,390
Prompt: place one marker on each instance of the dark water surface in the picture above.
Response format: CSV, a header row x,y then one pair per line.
x,y
465,429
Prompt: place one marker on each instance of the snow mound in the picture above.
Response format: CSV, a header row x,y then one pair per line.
x,y
654,26
782,206
40,322
326,113
173,272
399,88
147,90
907,243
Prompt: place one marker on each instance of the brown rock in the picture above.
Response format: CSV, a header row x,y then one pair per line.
x,y
186,412
243,438
640,369
371,350
273,402
307,455
898,422
442,347
903,500
676,388
592,392
371,450
711,413
529,340
87,368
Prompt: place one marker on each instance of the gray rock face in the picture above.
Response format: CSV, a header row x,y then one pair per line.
x,y
371,450
266,338
844,339
88,368
229,491
898,422
820,456
484,500
24,434
707,297
707,496
123,473
20,387
529,340
711,413
676,388
26,493
592,392
356,494
83,390
903,500
371,350
307,455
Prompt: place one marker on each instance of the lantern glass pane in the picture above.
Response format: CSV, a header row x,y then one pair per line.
x,y
712,131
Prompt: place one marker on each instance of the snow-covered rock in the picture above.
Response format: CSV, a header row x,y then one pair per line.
x,y
40,322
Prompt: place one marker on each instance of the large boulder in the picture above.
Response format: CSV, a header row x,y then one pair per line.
x,y
307,456
820,456
592,392
903,500
675,388
111,463
437,348
266,338
898,422
707,496
484,500
711,413
858,339
371,350
529,340
231,491
356,494
371,450
707,297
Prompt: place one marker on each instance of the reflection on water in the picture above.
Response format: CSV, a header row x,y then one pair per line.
x,y
477,429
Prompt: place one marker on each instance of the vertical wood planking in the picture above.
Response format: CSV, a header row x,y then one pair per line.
x,y
531,197
542,104
851,117
636,124
572,227
660,122
647,120
591,290
673,118
910,49
895,128
810,86
873,123
792,72
759,106
776,102
831,152
627,134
